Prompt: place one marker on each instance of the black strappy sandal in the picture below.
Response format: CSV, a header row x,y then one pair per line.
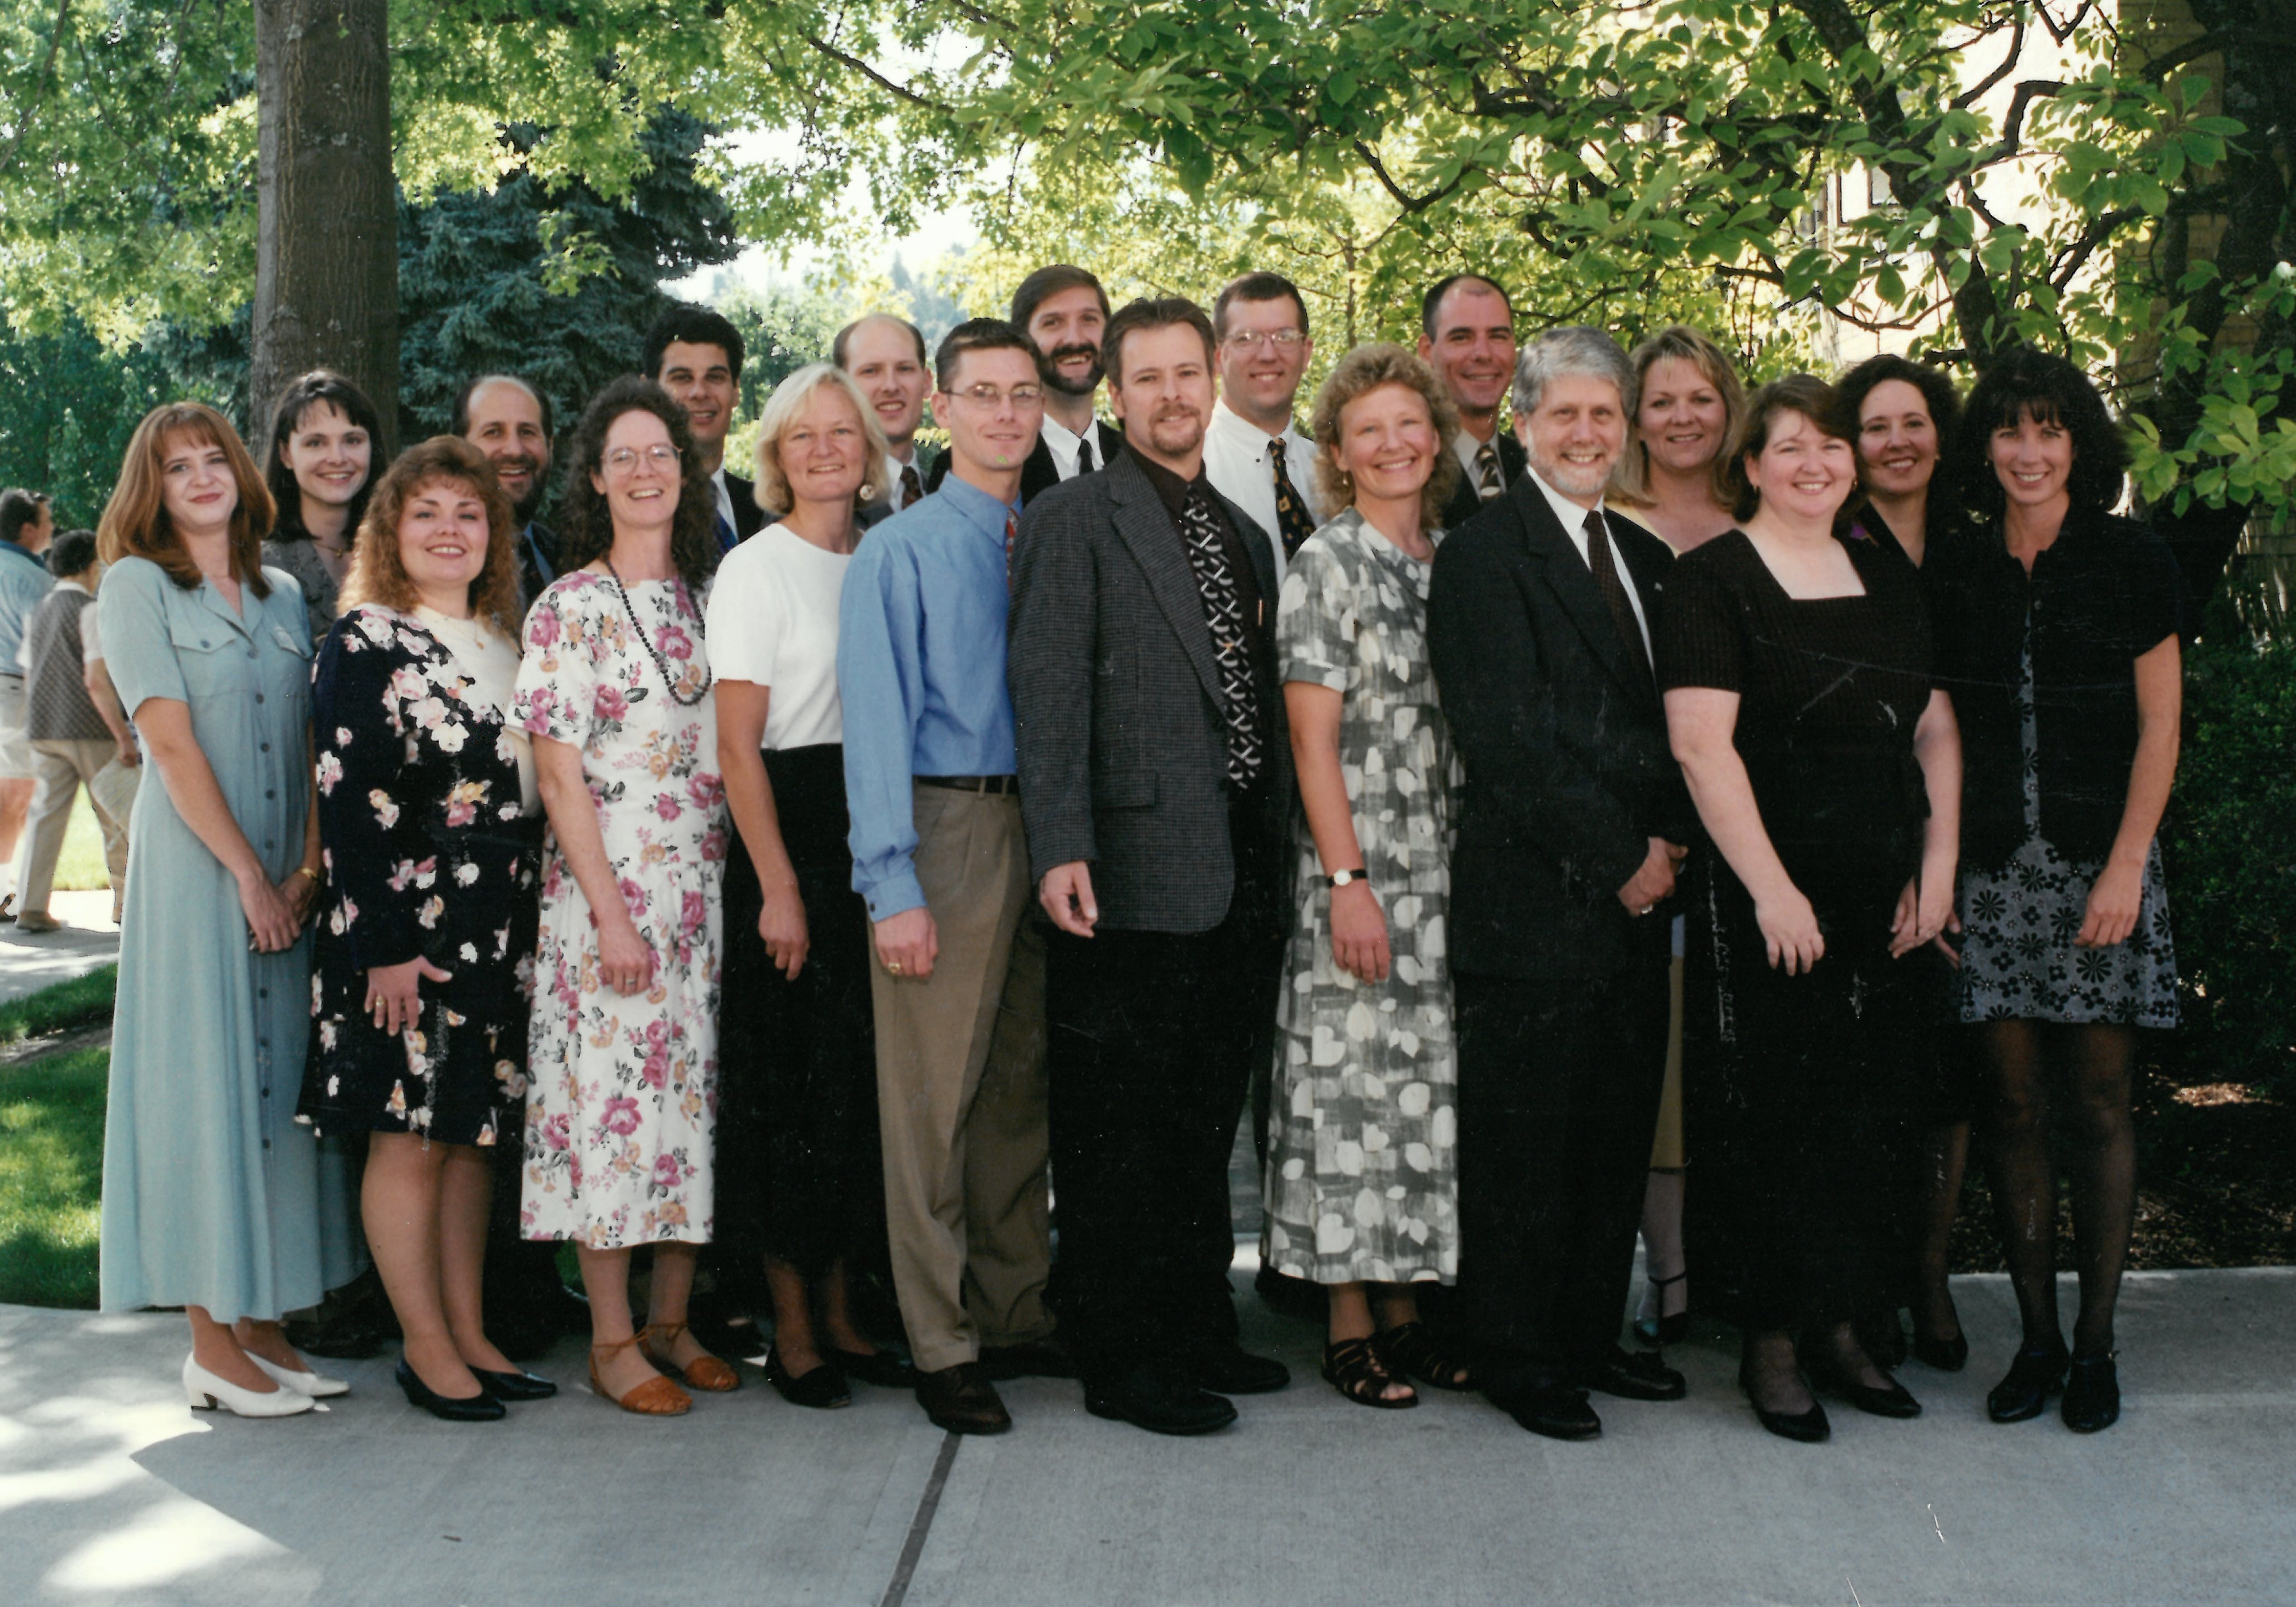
x,y
1357,1370
1660,1329
1412,1350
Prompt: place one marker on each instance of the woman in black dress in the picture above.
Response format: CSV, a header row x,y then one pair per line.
x,y
2059,624
427,819
1826,769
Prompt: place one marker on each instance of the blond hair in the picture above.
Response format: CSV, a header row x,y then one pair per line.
x,y
1366,369
780,410
1630,479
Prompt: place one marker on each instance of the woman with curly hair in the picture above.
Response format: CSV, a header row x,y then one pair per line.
x,y
425,950
2059,624
615,691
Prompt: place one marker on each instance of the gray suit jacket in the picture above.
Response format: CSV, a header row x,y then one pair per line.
x,y
1117,706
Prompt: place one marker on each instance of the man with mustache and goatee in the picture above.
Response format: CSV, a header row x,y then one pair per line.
x,y
1155,790
509,420
1064,311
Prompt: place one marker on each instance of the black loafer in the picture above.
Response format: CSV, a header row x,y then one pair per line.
x,y
878,1367
1631,1377
2038,1373
481,1407
1035,1358
824,1388
1224,1367
1556,1410
1162,1398
2092,1394
521,1385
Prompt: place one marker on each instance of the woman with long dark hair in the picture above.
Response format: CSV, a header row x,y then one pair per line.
x,y
2060,628
325,434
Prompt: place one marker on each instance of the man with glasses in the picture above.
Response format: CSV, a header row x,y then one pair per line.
x,y
1254,453
940,859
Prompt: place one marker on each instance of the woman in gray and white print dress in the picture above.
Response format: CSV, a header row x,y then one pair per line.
x,y
1362,1164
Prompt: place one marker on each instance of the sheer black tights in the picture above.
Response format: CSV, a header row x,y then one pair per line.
x,y
2077,1078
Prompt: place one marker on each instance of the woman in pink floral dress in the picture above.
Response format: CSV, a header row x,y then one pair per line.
x,y
614,690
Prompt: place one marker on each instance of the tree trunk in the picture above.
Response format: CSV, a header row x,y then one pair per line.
x,y
326,263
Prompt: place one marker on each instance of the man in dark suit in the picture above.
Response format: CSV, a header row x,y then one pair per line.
x,y
886,356
695,354
1466,331
509,420
1156,792
1063,309
1570,826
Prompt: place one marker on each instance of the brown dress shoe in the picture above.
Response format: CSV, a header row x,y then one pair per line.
x,y
962,1400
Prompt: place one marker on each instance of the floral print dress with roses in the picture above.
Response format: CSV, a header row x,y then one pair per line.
x,y
426,856
623,1093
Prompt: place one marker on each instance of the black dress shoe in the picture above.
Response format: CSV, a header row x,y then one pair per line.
x,y
822,1389
2038,1373
1555,1410
1161,1397
1630,1377
878,1367
1894,1400
1804,1427
1224,1367
481,1407
2092,1394
1047,1358
1947,1356
514,1386
962,1400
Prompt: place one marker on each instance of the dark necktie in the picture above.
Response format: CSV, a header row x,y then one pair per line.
x,y
1012,535
1084,451
1292,522
1613,589
913,489
1487,483
726,536
1203,532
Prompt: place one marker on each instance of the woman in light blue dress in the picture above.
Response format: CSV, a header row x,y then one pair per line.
x,y
215,1199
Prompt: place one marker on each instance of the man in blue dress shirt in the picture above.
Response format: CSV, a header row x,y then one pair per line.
x,y
939,858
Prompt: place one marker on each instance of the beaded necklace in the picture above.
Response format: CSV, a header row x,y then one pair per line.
x,y
685,604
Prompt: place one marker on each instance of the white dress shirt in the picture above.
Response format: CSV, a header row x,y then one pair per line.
x,y
1237,463
724,500
1064,443
894,464
1574,525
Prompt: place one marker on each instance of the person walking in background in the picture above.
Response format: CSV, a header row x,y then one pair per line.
x,y
215,1198
321,471
508,419
429,826
1156,785
938,859
74,739
26,527
800,1172
2060,626
886,357
1362,1172
1254,453
622,1073
1572,819
1823,758
695,354
1466,334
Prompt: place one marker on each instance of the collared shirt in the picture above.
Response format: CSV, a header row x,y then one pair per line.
x,y
894,464
23,582
1065,443
1464,446
1237,461
1574,525
923,687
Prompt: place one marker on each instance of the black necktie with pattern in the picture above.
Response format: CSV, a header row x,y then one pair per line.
x,y
1292,522
1613,589
1084,450
1204,533
913,489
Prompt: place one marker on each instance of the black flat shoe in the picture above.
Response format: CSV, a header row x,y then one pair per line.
x,y
1162,1398
1553,1410
481,1407
1224,1367
1890,1401
2092,1393
824,1388
1947,1356
2038,1373
1804,1427
1632,1376
878,1367
514,1386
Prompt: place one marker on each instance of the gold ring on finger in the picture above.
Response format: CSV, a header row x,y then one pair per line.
x,y
892,968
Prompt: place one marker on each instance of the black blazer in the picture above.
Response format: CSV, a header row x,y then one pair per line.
x,y
1116,705
1569,773
1465,504
749,517
1040,473
536,538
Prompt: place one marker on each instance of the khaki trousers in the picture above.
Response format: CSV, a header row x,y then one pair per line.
x,y
59,768
961,1093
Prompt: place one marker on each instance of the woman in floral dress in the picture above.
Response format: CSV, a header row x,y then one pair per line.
x,y
1362,1168
425,948
615,691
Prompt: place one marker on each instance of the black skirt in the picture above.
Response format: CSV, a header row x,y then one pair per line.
x,y
800,1173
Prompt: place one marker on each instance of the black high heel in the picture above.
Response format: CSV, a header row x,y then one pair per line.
x,y
1805,1428
2038,1373
1891,1400
2092,1393
1947,1356
481,1407
1661,1328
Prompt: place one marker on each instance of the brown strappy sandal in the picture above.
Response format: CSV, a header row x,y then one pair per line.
x,y
655,1398
706,1373
1357,1370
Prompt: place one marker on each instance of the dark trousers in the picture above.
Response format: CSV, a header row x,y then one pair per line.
x,y
1153,1039
1559,1086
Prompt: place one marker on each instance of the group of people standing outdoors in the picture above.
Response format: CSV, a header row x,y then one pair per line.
x,y
851,874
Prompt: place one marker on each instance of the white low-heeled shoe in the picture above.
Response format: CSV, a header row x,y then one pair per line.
x,y
317,1386
206,1391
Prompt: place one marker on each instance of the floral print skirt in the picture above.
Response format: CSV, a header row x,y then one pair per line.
x,y
2018,958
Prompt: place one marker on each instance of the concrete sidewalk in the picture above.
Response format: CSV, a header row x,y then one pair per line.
x,y
111,1492
31,961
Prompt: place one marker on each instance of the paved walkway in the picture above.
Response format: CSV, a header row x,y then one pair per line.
x,y
29,961
113,1493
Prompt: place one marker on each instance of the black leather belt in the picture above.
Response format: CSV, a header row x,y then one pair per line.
x,y
989,786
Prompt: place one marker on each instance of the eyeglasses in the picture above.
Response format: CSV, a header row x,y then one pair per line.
x,y
989,396
623,459
1251,340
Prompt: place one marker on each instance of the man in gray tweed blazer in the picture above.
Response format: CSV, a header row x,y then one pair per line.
x,y
1155,790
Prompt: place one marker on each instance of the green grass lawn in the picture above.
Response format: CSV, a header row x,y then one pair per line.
x,y
51,1147
80,868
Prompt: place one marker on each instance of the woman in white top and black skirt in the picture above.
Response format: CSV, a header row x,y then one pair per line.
x,y
800,1173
